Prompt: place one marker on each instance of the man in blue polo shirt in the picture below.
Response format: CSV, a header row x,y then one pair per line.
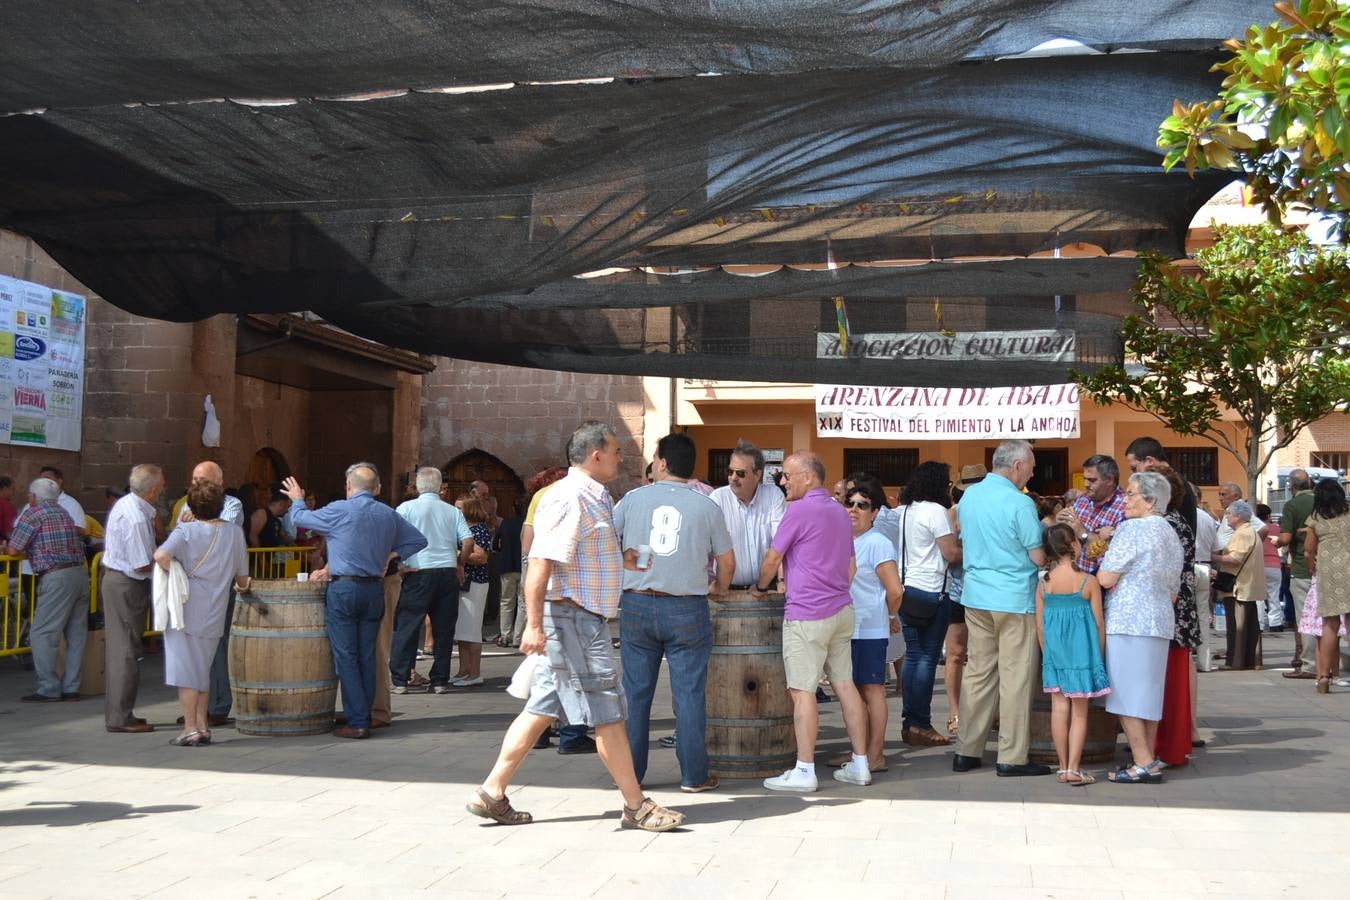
x,y
1002,539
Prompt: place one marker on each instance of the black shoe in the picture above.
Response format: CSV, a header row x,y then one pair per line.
x,y
580,745
72,697
1008,770
39,698
965,763
822,697
543,743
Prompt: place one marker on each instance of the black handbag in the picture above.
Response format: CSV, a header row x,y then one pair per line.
x,y
917,608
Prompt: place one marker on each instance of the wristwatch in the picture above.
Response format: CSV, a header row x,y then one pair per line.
x,y
1085,535
761,590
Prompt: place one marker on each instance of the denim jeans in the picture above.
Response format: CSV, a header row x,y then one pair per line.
x,y
352,614
426,592
680,629
923,648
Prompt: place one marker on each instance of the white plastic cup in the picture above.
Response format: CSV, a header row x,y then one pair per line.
x,y
644,560
302,576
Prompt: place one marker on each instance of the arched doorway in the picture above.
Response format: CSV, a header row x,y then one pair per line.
x,y
477,465
266,468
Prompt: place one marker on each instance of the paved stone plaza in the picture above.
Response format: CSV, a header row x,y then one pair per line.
x,y
1261,813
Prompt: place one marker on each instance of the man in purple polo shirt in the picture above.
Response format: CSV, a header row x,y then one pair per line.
x,y
814,543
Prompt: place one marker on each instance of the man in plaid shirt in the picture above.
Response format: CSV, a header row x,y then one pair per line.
x,y
1100,508
572,585
46,534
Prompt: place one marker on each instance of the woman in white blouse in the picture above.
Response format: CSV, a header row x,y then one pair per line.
x,y
1142,570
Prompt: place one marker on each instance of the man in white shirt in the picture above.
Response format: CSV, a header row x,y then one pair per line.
x,y
128,554
431,579
1206,530
67,502
752,511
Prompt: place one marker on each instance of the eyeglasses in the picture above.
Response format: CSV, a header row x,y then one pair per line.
x,y
737,473
863,505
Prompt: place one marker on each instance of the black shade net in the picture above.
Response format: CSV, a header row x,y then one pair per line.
x,y
454,223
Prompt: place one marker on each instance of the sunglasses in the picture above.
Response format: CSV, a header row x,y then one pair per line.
x,y
737,473
863,505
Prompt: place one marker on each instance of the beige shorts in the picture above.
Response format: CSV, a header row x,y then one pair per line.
x,y
818,647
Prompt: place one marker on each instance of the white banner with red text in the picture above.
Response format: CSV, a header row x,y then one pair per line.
x,y
947,414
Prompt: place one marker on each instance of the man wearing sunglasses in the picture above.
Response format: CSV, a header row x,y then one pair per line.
x,y
751,510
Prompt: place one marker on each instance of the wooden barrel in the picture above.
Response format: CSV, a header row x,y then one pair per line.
x,y
1102,729
749,711
281,667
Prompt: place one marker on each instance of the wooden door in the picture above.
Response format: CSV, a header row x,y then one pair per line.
x,y
477,465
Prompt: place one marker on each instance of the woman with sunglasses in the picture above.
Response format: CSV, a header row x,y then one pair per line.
x,y
876,595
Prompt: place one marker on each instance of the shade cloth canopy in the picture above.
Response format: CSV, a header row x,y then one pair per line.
x,y
396,168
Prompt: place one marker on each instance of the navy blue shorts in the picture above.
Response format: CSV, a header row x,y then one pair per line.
x,y
869,660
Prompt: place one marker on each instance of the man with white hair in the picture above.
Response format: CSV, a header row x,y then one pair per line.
x,y
1002,538
128,554
363,535
46,534
431,579
221,698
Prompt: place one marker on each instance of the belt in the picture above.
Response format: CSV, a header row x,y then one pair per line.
x,y
742,587
650,593
60,567
360,578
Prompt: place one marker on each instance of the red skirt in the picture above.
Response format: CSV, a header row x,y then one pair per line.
x,y
1174,731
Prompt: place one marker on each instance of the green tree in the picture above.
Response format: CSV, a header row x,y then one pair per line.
x,y
1280,117
1257,325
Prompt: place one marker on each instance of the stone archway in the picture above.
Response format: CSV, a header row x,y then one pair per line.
x,y
267,467
479,465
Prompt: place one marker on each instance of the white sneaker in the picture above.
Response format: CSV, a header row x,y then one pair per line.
x,y
851,774
467,682
399,689
794,782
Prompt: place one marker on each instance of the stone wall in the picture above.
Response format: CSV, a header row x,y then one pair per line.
x,y
524,416
138,402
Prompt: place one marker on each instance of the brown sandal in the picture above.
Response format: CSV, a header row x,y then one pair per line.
x,y
651,816
499,811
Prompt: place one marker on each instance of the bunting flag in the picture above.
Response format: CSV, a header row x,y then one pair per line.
x,y
841,322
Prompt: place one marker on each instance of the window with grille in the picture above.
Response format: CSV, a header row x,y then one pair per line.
x,y
892,465
1198,465
718,460
1332,459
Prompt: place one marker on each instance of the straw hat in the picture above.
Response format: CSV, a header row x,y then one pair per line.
x,y
972,474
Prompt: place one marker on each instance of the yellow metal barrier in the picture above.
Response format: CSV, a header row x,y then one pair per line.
x,y
17,597
278,562
268,562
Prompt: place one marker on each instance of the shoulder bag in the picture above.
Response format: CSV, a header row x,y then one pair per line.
x,y
1226,582
918,609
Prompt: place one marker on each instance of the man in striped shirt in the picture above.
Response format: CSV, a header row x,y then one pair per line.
x,y
45,532
572,586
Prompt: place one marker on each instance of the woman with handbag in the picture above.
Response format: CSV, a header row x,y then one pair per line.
x,y
927,548
213,554
473,595
1241,586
